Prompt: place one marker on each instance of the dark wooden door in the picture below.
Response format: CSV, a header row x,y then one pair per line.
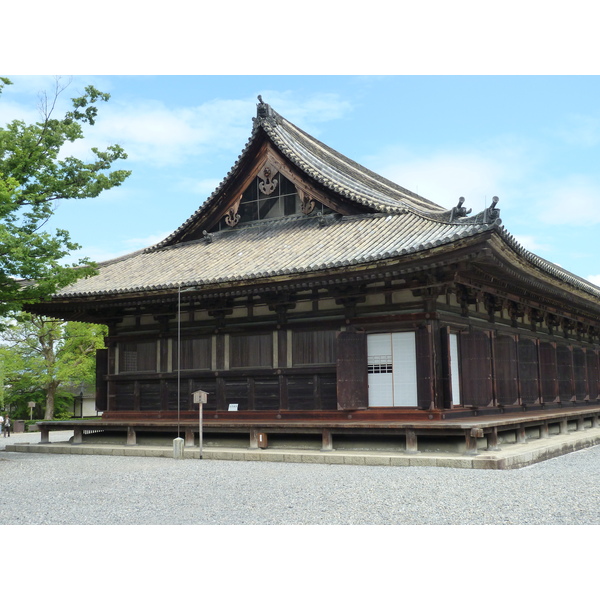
x,y
352,377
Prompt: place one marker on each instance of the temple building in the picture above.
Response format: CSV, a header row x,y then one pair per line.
x,y
310,294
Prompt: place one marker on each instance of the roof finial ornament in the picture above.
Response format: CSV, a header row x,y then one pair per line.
x,y
262,108
492,213
459,211
462,212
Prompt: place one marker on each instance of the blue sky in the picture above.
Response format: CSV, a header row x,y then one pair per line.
x,y
534,141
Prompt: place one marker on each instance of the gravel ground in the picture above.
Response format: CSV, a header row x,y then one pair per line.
x,y
41,489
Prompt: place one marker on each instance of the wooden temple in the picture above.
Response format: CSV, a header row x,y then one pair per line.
x,y
310,295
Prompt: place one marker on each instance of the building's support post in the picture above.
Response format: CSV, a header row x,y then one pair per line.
x,y
471,440
427,371
445,387
411,442
253,439
77,435
327,441
189,437
544,432
131,437
521,435
564,426
580,424
492,440
470,444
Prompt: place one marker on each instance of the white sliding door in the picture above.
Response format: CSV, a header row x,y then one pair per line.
x,y
392,369
454,376
381,382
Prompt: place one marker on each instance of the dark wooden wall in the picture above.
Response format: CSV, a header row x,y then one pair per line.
x,y
315,366
500,369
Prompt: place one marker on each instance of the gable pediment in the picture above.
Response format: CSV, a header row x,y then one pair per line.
x,y
266,186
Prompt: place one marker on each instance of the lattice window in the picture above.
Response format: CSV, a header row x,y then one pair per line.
x,y
137,357
270,198
380,364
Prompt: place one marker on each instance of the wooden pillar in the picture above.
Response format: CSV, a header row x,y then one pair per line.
x,y
250,394
521,435
445,388
131,437
427,367
539,374
327,440
411,442
253,439
492,440
470,444
102,380
544,433
519,369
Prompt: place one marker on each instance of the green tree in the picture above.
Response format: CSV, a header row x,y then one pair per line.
x,y
48,355
33,177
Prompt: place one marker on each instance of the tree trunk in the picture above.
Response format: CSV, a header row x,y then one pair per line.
x,y
50,396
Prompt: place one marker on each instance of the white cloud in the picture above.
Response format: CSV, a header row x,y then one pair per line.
x,y
316,108
444,176
117,249
153,133
581,130
203,188
595,279
570,201
531,243
133,244
13,111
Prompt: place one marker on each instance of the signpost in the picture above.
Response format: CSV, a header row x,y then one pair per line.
x,y
200,398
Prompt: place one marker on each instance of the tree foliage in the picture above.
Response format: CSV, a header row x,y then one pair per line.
x,y
33,177
41,357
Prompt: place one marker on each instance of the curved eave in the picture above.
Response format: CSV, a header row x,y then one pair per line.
x,y
556,273
290,248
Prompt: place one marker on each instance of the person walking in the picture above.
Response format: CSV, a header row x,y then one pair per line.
x,y
6,427
1,423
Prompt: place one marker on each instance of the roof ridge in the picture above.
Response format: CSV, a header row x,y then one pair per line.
x,y
356,165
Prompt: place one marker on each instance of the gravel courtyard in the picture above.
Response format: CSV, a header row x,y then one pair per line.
x,y
57,489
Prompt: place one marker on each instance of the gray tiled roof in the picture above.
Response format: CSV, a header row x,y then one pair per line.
x,y
280,247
